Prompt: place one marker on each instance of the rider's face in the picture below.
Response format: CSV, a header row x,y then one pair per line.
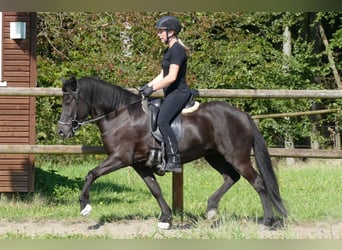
x,y
162,34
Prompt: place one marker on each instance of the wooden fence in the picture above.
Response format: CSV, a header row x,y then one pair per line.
x,y
79,149
177,197
203,93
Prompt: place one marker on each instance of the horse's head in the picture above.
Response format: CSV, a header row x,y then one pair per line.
x,y
74,109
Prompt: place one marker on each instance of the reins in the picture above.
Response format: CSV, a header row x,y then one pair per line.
x,y
109,114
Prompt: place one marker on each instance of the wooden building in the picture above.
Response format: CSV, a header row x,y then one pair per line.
x,y
17,114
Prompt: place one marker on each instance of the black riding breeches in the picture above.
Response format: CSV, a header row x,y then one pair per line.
x,y
172,105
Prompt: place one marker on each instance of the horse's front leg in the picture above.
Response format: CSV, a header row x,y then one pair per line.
x,y
111,164
147,175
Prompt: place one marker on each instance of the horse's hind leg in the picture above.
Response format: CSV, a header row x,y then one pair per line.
x,y
230,177
248,172
147,175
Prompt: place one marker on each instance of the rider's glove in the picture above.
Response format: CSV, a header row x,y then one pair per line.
x,y
146,91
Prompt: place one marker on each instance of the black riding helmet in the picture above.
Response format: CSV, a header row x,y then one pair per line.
x,y
169,23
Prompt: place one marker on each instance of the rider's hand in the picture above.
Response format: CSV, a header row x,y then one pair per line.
x,y
146,91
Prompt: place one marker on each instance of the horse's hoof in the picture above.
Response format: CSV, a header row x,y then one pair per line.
x,y
86,210
268,222
211,214
164,225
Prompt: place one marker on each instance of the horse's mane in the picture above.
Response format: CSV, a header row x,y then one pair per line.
x,y
106,95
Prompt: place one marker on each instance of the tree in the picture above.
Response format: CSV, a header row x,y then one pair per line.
x,y
228,50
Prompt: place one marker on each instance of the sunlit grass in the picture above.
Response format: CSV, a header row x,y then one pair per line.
x,y
311,191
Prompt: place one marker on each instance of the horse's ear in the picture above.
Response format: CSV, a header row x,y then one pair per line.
x,y
70,84
63,80
73,83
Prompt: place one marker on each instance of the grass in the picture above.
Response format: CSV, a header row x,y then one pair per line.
x,y
312,192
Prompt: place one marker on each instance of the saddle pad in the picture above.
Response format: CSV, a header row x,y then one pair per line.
x,y
191,109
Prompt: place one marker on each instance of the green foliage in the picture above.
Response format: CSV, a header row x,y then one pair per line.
x,y
228,50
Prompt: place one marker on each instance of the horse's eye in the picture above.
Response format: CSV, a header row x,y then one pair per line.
x,y
67,99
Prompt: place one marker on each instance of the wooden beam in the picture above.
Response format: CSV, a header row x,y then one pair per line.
x,y
267,93
82,149
313,112
205,93
305,153
51,149
20,91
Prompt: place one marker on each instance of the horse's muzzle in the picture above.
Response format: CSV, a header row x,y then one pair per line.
x,y
65,135
64,130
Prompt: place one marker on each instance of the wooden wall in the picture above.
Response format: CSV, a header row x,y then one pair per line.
x,y
17,114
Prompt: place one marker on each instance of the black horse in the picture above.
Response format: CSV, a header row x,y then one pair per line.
x,y
217,131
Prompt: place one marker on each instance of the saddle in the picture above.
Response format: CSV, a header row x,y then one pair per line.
x,y
176,125
152,107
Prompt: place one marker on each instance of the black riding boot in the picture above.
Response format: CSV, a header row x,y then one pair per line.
x,y
173,163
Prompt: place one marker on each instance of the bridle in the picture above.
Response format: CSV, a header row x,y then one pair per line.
x,y
75,124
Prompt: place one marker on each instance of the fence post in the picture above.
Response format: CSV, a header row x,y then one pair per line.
x,y
337,137
177,192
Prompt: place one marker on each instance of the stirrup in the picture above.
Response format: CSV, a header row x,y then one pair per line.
x,y
161,166
169,167
173,164
173,167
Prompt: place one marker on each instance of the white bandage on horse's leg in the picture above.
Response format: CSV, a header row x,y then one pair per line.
x,y
86,210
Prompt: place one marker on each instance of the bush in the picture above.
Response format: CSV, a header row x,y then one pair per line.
x,y
228,50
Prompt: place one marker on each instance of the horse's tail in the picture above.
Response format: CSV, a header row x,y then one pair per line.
x,y
264,164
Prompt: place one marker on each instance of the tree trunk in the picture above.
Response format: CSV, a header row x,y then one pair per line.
x,y
330,57
313,36
126,40
287,51
337,139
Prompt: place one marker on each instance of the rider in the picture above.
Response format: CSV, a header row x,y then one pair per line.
x,y
172,79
